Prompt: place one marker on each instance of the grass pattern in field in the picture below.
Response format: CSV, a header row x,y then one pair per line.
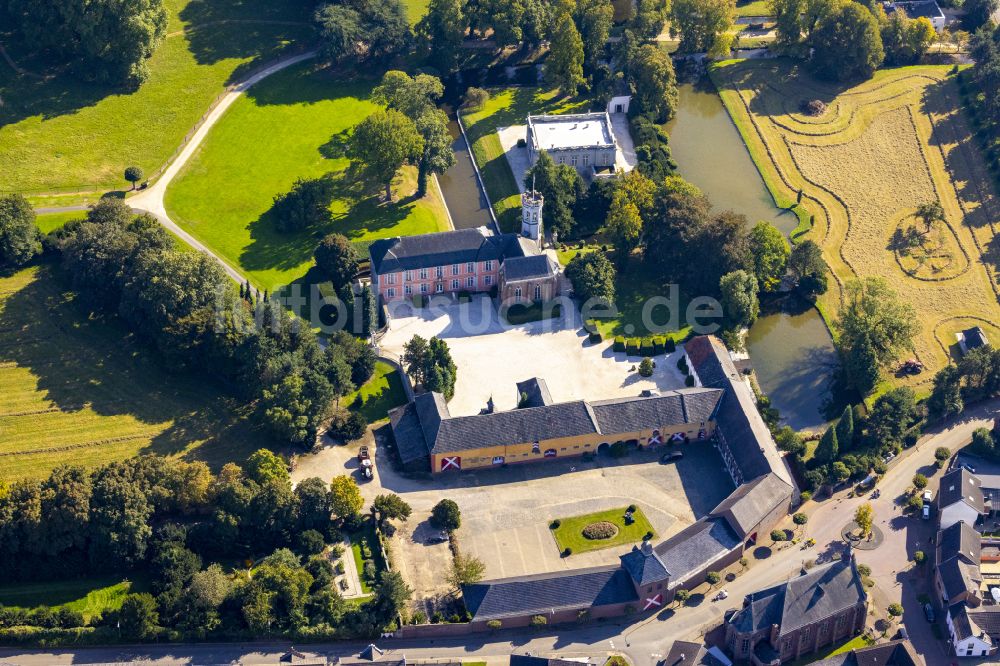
x,y
89,596
291,125
880,149
76,390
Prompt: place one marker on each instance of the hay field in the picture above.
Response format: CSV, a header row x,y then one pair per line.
x,y
863,165
81,391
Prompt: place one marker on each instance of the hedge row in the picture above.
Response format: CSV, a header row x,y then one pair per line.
x,y
654,346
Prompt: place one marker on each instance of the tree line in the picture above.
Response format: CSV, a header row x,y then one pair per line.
x,y
184,528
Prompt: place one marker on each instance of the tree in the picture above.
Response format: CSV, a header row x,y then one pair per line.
x,y
442,29
845,428
800,519
345,497
840,471
787,21
19,237
446,516
646,367
906,40
137,616
919,481
594,19
593,277
440,371
391,506
895,610
978,13
415,355
391,595
919,557
362,30
653,82
624,226
713,578
133,174
475,98
864,516
828,448
296,406
891,416
305,205
770,252
649,18
681,596
861,364
264,466
873,317
337,259
437,155
383,142
929,212
808,268
563,68
777,536
348,425
942,453
847,44
945,400
701,23
411,96
466,570
739,298
562,186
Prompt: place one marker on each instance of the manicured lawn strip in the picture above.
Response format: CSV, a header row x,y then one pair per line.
x,y
753,8
359,564
51,221
379,394
289,126
508,106
79,390
61,132
89,596
367,536
569,534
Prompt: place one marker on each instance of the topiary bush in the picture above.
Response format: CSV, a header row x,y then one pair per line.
x,y
619,344
682,365
600,530
632,346
671,346
646,367
689,380
554,525
646,347
595,337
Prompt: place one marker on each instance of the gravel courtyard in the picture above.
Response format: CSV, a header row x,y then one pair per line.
x,y
492,356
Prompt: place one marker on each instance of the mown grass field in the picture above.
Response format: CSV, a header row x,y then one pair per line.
x,y
880,149
81,391
508,106
59,132
569,534
291,125
379,394
89,596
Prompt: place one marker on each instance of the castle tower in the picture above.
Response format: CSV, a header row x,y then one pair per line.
x,y
531,215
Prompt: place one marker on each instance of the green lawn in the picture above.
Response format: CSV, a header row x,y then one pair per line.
x,y
90,596
508,106
569,534
80,390
754,8
379,394
415,9
366,536
59,132
291,125
841,647
52,221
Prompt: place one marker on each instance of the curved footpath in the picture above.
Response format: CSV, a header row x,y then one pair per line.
x,y
150,200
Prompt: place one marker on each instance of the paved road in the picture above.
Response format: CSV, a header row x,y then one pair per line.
x,y
644,642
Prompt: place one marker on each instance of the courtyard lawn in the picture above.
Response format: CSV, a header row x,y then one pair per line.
x,y
379,394
883,127
79,390
289,126
508,106
569,534
59,132
89,596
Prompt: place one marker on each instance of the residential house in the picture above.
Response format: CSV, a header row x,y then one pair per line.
x,y
960,498
972,632
957,575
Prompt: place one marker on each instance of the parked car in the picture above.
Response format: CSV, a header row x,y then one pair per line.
x,y
367,469
929,612
671,456
363,454
440,537
722,594
928,497
927,512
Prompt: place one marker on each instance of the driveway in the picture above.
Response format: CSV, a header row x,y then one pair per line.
x,y
493,356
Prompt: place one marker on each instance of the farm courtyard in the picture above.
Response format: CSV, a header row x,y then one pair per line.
x,y
864,163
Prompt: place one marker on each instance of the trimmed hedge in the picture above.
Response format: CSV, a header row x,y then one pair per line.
x,y
632,346
646,347
671,346
659,345
619,344
596,337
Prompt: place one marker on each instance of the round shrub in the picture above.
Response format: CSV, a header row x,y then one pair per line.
x,y
631,508
554,525
600,530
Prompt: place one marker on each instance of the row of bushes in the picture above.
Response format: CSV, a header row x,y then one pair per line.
x,y
654,346
981,124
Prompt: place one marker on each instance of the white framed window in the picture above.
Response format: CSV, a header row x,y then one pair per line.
x,y
423,273
390,278
439,271
439,287
470,267
573,160
517,293
407,290
470,282
423,289
489,265
390,292
538,292
408,275
488,280
454,284
455,269
586,160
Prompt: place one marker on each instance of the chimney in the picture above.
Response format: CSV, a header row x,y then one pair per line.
x,y
647,547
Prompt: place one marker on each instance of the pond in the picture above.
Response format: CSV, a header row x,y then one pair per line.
x,y
790,347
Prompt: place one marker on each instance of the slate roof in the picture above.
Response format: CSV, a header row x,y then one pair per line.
x,y
822,592
390,255
536,391
961,485
975,338
737,418
966,623
959,540
958,576
696,546
438,432
543,593
895,653
644,565
531,660
747,506
415,425
526,268
691,654
987,619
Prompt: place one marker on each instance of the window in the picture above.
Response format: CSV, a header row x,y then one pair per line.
x,y
489,265
439,287
408,275
423,289
390,292
390,278
470,267
454,284
536,447
439,271
538,292
586,160
489,280
423,273
745,645
408,290
573,160
561,160
470,282
455,268
517,293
